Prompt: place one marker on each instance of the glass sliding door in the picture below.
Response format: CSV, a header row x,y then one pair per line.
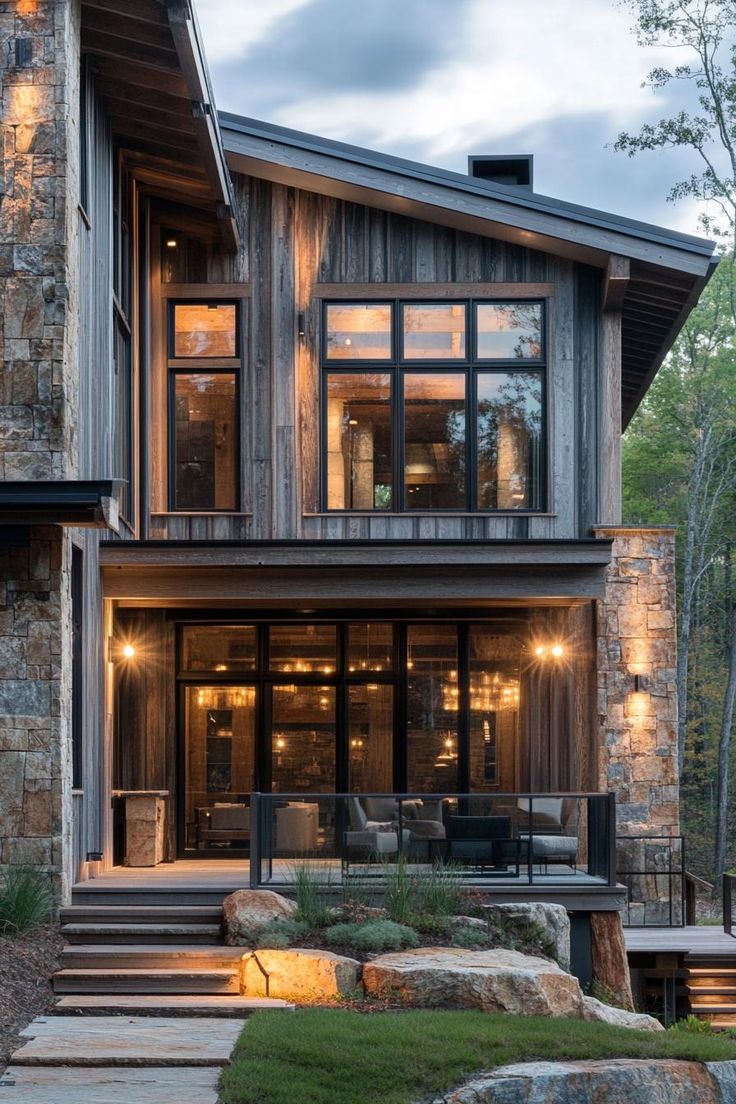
x,y
370,732
302,739
494,674
219,757
432,708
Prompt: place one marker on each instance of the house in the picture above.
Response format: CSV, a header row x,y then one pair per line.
x,y
311,491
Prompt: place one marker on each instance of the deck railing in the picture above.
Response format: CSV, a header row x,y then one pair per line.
x,y
653,870
528,839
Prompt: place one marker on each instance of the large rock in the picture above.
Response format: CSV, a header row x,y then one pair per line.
x,y
299,975
605,1013
246,911
618,1081
551,919
493,981
609,962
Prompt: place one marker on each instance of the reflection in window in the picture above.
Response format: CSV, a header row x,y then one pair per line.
x,y
303,739
370,647
432,708
359,442
358,331
205,445
495,664
219,648
509,428
434,331
509,331
303,649
434,441
205,330
370,737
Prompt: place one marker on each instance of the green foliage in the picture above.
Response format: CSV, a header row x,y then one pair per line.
x,y
26,900
439,890
692,1025
399,890
521,935
312,895
332,1056
473,939
281,933
372,938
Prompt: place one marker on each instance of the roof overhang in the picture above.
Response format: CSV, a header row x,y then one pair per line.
x,y
666,270
337,574
151,71
79,503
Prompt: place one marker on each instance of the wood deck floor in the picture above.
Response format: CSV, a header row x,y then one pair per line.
x,y
701,940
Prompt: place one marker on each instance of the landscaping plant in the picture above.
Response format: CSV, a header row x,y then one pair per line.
x,y
374,937
312,896
26,900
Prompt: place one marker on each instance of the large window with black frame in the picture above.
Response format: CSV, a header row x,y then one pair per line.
x,y
433,405
204,367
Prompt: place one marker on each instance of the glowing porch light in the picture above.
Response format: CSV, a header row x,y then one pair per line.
x,y
128,651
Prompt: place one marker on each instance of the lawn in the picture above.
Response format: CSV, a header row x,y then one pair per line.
x,y
330,1056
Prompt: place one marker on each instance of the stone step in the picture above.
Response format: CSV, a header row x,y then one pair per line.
x,y
98,1041
141,914
142,933
146,981
162,956
112,1085
151,896
173,1004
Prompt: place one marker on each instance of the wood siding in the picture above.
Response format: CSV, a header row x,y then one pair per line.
x,y
298,248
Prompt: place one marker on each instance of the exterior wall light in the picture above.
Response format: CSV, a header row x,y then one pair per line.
x,y
128,651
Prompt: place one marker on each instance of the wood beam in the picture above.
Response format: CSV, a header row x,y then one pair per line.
x,y
157,36
616,282
143,11
180,123
140,76
122,91
117,49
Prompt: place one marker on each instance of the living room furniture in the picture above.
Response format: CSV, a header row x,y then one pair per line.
x,y
370,839
554,830
480,841
297,826
223,824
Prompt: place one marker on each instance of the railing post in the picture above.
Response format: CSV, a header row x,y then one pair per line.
x,y
255,840
611,829
727,904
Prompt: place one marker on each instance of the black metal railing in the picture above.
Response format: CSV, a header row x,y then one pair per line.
x,y
729,900
524,838
653,870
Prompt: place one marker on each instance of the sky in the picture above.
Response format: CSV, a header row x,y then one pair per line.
x,y
436,80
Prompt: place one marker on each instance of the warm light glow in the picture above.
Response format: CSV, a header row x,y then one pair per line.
x,y
128,651
557,650
171,243
539,650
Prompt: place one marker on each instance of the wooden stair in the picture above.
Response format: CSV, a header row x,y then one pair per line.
x,y
711,988
166,959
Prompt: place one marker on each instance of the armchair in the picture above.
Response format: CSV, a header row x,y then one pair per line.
x,y
554,829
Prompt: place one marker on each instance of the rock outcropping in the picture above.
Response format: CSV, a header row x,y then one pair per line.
x,y
247,911
550,919
299,975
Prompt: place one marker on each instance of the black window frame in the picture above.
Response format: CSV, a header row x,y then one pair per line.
x,y
471,366
205,366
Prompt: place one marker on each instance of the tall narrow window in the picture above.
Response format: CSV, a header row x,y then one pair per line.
x,y
452,418
204,369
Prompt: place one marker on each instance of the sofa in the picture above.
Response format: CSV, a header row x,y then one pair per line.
x,y
225,822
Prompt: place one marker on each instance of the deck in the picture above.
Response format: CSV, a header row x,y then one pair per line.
x,y
701,940
208,881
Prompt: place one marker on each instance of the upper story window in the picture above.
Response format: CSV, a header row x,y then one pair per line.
x,y
203,371
433,406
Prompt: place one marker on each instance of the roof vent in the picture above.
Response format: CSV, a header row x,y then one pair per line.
x,y
513,169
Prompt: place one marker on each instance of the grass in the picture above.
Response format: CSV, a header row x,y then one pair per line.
x,y
326,1056
26,900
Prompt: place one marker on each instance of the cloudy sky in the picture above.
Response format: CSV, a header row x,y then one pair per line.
x,y
435,80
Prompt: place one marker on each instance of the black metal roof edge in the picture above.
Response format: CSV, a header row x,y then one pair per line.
x,y
629,409
58,492
518,197
382,542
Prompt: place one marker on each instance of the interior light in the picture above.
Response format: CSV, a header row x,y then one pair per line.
x,y
348,341
539,650
128,651
171,243
557,650
352,421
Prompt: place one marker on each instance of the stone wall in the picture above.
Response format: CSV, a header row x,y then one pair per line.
x,y
637,636
35,704
39,98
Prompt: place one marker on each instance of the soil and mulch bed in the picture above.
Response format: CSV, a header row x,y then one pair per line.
x,y
26,964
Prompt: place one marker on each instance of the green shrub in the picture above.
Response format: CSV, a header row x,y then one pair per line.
x,y
473,939
400,893
519,935
439,890
312,896
280,934
26,900
429,924
694,1025
373,937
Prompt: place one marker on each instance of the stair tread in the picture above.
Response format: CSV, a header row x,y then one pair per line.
x,y
132,928
211,1004
151,949
78,971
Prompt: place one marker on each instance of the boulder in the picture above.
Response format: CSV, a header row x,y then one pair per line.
x,y
596,1010
299,975
493,981
454,922
617,1081
552,919
246,911
609,961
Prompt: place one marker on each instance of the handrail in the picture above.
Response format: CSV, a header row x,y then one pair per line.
x,y
671,873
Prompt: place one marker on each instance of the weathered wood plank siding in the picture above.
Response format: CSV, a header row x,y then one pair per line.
x,y
294,243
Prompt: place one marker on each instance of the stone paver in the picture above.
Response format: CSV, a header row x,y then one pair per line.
x,y
55,1085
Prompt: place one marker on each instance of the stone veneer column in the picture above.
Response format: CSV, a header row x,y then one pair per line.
x,y
39,101
637,635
